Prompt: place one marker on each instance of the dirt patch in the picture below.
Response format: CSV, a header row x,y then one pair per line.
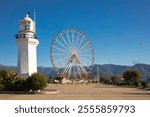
x,y
84,92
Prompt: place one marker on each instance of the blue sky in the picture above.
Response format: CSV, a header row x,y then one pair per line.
x,y
115,27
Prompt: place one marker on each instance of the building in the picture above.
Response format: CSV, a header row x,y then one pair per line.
x,y
27,43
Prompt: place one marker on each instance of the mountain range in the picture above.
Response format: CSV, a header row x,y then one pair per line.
x,y
106,69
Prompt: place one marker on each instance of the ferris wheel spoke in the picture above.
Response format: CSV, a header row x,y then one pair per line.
x,y
62,59
83,47
83,62
81,52
59,49
62,45
58,64
73,39
85,55
79,44
68,39
87,68
59,54
76,41
64,41
85,65
84,59
63,63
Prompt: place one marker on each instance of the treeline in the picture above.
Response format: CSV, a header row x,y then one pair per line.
x,y
130,78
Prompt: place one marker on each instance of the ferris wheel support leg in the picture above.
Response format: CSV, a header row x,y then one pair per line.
x,y
83,71
79,72
66,68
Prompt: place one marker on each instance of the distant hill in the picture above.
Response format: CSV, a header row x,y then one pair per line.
x,y
106,69
144,69
44,70
111,69
14,68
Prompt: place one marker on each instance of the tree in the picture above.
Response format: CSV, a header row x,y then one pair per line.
x,y
132,77
118,80
36,82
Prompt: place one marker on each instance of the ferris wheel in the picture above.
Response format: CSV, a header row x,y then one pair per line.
x,y
72,54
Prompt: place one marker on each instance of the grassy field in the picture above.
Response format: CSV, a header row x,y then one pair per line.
x,y
84,92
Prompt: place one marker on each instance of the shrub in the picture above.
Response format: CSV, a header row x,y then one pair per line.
x,y
20,84
1,87
145,84
132,77
105,80
36,82
8,79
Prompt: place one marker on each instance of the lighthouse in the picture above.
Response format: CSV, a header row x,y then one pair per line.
x,y
27,43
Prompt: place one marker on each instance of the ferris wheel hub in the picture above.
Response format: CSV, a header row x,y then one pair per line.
x,y
74,56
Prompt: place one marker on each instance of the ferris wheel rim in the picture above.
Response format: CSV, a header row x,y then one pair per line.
x,y
67,47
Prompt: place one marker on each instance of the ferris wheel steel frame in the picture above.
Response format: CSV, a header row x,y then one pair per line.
x,y
72,54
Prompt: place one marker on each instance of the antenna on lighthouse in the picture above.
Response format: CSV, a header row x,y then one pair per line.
x,y
34,19
34,16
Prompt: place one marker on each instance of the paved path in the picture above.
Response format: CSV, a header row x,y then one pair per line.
x,y
84,92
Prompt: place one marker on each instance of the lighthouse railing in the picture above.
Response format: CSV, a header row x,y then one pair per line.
x,y
26,36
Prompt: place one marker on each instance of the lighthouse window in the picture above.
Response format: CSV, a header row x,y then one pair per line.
x,y
28,27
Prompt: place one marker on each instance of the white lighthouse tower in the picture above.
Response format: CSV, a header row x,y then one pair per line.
x,y
27,43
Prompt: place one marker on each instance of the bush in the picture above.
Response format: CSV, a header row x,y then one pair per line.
x,y
10,81
7,79
145,84
36,82
20,84
105,80
1,87
132,77
137,83
117,80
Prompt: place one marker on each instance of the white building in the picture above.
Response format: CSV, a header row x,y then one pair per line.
x,y
27,43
